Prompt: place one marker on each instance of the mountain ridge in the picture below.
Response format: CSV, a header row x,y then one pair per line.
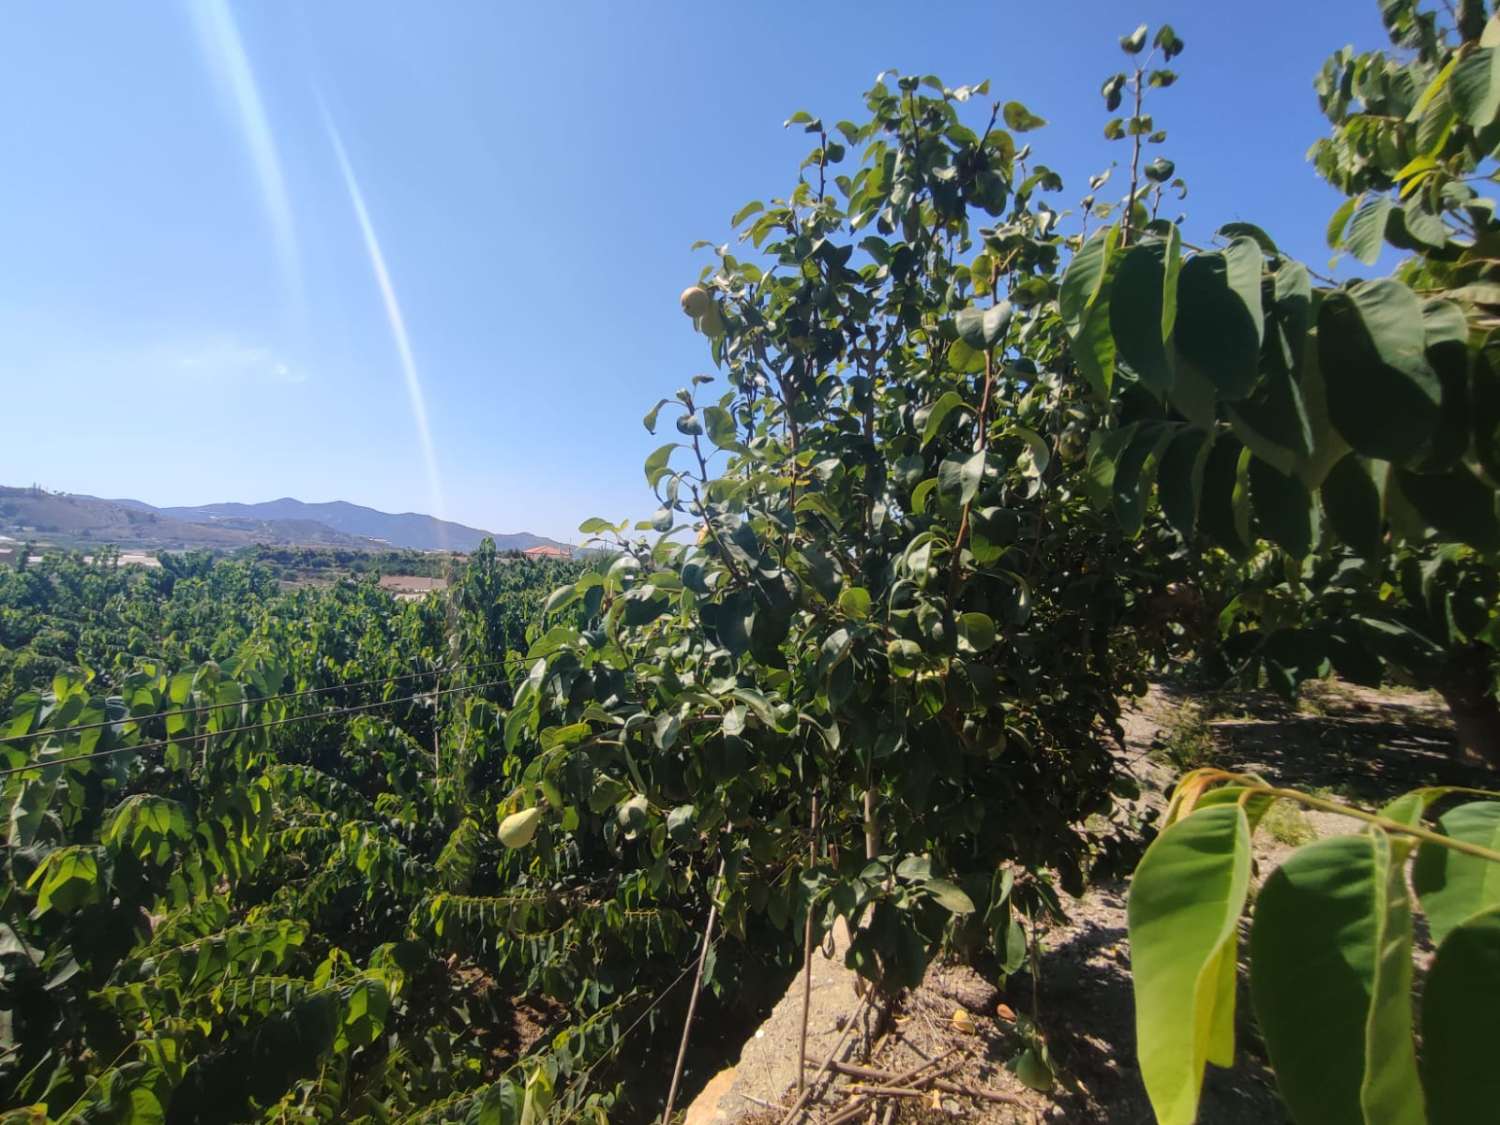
x,y
286,520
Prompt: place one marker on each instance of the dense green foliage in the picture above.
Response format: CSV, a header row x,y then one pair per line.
x,y
1340,441
1344,452
290,921
962,475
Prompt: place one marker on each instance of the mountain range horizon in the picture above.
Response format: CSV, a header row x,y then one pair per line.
x,y
74,519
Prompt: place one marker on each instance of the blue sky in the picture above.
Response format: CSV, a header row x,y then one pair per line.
x,y
197,290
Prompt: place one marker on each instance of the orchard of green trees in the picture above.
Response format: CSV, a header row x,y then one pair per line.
x,y
974,462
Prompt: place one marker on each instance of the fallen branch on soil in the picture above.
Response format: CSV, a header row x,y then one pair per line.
x,y
948,1087
859,1010
898,1082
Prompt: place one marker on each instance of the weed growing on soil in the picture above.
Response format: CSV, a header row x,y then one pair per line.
x,y
1285,823
1187,742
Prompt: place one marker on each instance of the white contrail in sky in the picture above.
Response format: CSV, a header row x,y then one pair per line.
x,y
393,315
225,51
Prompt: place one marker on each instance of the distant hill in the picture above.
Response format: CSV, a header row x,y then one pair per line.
x,y
406,529
77,520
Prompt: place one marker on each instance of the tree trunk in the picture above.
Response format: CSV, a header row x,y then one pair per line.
x,y
1468,688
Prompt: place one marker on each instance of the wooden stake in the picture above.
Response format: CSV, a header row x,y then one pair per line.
x,y
807,930
687,1024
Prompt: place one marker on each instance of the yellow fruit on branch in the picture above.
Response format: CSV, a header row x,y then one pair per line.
x,y
517,829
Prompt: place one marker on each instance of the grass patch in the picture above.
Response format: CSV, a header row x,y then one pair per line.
x,y
1187,742
1285,823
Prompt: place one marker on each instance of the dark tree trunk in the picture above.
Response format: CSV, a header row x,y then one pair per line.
x,y
1468,688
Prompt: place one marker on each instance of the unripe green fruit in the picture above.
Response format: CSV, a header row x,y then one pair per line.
x,y
517,829
710,323
696,301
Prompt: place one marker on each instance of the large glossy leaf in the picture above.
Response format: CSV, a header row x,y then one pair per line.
x,y
1219,318
1132,473
1137,314
1084,278
1452,886
1330,976
1083,299
1381,393
1180,479
1351,501
1185,902
1366,231
1457,503
1216,510
1447,336
1283,508
1461,1024
1474,87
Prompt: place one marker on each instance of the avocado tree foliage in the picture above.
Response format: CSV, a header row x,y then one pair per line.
x,y
1342,440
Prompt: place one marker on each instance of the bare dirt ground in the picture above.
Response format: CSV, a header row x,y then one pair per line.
x,y
1347,743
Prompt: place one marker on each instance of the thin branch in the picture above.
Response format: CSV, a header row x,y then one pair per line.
x,y
687,1023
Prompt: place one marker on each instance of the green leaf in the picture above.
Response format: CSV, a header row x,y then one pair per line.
x,y
1216,510
1331,975
855,601
1456,503
1084,278
1366,233
1219,319
944,406
976,631
1381,394
1452,886
1137,314
1172,269
1284,509
983,328
1474,87
950,896
680,821
1340,220
656,464
962,475
1352,503
746,211
649,421
1083,298
1133,43
1184,909
1180,479
1021,119
67,879
1251,231
721,429
1461,1023
1131,482
1160,170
